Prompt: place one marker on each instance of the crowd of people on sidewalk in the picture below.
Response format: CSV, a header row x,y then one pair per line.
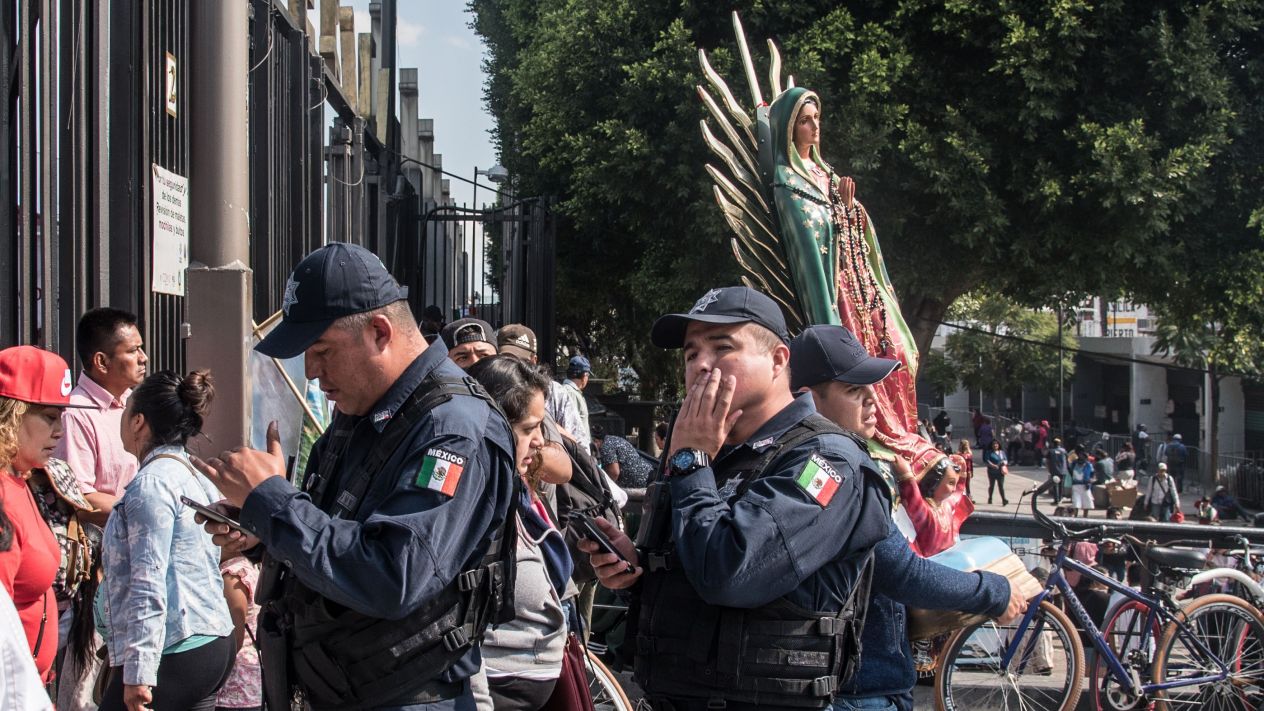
x,y
1157,472
100,559
444,546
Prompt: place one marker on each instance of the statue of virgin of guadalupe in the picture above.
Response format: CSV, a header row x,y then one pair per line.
x,y
838,271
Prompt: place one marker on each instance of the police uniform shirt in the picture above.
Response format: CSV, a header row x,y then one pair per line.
x,y
428,513
801,532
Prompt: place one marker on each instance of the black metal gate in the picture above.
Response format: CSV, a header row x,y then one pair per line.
x,y
286,90
495,263
75,167
85,119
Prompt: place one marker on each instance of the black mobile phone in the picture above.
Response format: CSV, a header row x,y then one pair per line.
x,y
588,529
212,514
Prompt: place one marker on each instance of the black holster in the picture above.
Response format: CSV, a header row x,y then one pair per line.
x,y
271,636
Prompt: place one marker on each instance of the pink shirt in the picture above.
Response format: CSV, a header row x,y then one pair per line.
x,y
92,444
938,526
244,687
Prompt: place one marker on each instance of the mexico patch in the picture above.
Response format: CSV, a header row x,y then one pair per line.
x,y
819,479
441,471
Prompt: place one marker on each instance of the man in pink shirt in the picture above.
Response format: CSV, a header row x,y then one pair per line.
x,y
113,358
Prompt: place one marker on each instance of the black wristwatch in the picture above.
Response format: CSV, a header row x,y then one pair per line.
x,y
687,461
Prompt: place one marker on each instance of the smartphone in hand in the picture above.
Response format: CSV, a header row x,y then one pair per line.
x,y
587,527
213,514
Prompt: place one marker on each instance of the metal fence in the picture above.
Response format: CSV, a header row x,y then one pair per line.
x,y
310,186
88,86
286,125
495,263
1245,480
1242,473
87,119
1000,423
161,33
75,166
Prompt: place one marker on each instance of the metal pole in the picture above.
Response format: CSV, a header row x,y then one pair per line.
x,y
219,303
1061,374
220,165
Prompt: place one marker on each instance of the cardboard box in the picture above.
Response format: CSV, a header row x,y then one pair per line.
x,y
1123,498
1100,498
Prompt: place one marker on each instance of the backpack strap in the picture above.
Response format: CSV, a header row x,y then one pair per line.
x,y
588,476
173,457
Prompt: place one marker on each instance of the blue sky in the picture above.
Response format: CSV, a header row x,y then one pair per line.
x,y
434,37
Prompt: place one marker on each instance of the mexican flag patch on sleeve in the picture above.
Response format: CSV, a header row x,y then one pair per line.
x,y
441,471
819,479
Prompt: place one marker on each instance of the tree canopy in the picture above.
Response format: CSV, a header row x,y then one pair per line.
x,y
1005,346
1033,148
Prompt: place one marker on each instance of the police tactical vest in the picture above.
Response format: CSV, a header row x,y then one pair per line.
x,y
342,659
778,655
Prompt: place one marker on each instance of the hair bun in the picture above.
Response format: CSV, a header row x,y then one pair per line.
x,y
196,391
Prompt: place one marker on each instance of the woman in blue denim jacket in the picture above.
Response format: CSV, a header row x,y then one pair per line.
x,y
162,599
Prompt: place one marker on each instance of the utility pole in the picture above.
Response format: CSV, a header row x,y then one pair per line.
x,y
219,299
1061,374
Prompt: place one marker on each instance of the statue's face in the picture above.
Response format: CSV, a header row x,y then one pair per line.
x,y
807,127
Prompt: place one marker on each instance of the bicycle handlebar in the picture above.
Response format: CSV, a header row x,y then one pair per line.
x,y
1057,528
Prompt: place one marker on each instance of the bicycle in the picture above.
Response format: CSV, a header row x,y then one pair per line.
x,y
1237,580
1212,649
1122,628
604,688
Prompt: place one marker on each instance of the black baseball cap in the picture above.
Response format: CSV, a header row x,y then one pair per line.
x,y
336,280
730,304
824,353
468,330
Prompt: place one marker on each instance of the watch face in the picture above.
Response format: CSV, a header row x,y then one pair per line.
x,y
682,459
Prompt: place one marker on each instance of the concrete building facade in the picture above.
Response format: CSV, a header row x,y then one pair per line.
x,y
1118,384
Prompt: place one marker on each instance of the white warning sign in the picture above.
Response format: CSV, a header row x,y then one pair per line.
x,y
171,231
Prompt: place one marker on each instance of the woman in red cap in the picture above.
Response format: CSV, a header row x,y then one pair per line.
x,y
34,388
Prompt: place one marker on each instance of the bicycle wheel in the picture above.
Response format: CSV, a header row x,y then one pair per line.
x,y
1232,633
604,688
1124,634
1046,672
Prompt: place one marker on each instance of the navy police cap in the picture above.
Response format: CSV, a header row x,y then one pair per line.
x,y
823,353
336,280
731,304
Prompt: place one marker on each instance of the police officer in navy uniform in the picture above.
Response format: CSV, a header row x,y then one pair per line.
x,y
755,549
392,559
840,374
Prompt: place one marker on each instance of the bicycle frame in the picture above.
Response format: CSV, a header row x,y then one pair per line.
x,y
1154,608
1253,588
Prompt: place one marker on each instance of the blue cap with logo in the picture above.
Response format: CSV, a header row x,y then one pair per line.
x,y
578,366
730,304
336,280
825,352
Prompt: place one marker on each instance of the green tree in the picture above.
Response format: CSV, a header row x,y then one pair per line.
x,y
1031,148
1004,346
595,105
1217,328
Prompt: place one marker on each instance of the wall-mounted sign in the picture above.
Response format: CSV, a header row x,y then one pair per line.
x,y
171,231
172,99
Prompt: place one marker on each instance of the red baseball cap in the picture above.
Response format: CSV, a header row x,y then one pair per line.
x,y
36,376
